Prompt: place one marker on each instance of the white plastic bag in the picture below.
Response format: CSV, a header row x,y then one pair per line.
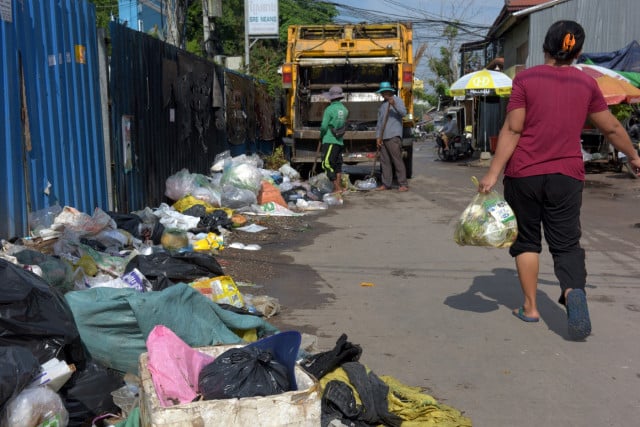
x,y
218,163
235,198
322,183
289,172
35,406
487,221
242,175
366,184
179,185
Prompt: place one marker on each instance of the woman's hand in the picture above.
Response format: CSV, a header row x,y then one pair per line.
x,y
635,166
487,183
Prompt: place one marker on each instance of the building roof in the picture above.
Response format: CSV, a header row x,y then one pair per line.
x,y
520,4
511,12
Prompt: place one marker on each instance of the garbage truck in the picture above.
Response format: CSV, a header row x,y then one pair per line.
x,y
356,57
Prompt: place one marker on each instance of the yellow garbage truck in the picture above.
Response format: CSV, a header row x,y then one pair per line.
x,y
356,57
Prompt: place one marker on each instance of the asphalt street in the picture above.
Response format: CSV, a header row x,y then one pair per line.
x,y
439,315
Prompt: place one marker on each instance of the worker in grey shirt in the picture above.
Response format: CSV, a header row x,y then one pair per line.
x,y
389,138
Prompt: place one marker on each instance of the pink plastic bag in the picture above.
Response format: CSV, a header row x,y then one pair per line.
x,y
174,366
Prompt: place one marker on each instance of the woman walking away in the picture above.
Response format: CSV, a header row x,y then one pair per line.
x,y
539,149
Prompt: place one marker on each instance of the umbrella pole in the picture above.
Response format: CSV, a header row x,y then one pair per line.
x,y
485,155
485,123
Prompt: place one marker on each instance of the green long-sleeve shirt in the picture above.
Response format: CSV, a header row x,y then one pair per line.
x,y
335,116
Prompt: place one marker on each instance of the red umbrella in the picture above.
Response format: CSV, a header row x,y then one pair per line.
x,y
615,87
596,71
616,91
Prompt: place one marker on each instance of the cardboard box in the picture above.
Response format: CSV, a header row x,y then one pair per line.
x,y
54,374
294,408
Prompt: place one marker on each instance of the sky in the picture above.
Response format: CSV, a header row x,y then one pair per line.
x,y
477,11
477,14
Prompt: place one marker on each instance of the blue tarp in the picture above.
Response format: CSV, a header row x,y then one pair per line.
x,y
114,323
626,61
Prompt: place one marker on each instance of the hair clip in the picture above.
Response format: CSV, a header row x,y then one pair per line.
x,y
568,43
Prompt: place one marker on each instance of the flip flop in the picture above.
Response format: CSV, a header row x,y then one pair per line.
x,y
579,323
520,315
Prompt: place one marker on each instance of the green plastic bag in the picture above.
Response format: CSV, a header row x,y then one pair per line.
x,y
487,221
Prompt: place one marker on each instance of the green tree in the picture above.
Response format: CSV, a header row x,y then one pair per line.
x,y
228,36
104,10
266,55
445,67
422,103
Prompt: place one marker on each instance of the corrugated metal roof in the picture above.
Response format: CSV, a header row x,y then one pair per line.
x,y
54,147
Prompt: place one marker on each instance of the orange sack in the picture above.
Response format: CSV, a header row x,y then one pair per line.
x,y
270,193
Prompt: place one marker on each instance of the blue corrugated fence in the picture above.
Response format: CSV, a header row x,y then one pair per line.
x,y
52,124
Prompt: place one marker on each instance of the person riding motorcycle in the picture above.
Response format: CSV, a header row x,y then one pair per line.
x,y
449,132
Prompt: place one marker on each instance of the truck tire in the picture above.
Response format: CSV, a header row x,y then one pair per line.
x,y
407,158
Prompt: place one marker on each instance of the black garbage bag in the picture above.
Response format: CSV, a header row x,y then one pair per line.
x,y
164,269
338,400
320,364
36,316
195,210
339,403
209,223
87,394
18,367
93,244
129,222
243,372
141,228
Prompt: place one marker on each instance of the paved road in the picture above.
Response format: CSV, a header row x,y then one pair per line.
x,y
439,315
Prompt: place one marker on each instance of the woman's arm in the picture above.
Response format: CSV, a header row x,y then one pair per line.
x,y
615,133
507,142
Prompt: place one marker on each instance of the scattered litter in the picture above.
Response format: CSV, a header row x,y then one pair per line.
x,y
366,284
268,306
54,374
221,289
271,209
249,285
212,241
250,247
311,205
253,228
366,184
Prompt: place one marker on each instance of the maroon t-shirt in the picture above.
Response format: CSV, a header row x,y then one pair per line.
x,y
557,101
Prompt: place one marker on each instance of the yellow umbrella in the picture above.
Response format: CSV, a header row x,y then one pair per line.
x,y
482,83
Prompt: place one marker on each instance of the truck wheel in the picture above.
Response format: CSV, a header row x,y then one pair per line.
x,y
408,161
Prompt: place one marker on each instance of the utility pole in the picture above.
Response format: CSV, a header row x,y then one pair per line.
x,y
210,9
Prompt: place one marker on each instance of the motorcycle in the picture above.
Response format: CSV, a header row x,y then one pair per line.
x,y
459,148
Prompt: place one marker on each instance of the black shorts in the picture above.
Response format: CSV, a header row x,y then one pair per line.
x,y
552,201
332,160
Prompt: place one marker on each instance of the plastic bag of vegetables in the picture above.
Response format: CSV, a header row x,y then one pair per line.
x,y
487,221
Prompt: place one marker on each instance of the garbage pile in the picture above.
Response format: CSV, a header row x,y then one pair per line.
x,y
111,318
